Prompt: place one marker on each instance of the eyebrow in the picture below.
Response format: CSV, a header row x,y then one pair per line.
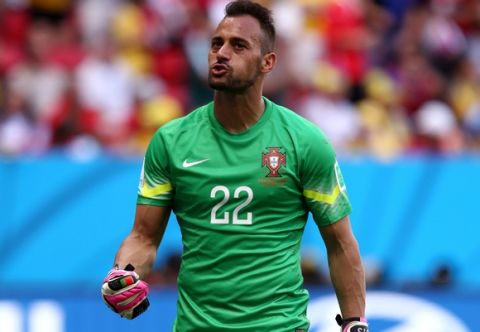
x,y
241,40
234,39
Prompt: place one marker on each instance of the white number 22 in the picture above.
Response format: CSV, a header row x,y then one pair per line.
x,y
226,215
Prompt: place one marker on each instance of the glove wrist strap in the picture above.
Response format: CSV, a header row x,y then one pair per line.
x,y
341,321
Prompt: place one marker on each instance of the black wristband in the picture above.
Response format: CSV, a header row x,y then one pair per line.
x,y
341,321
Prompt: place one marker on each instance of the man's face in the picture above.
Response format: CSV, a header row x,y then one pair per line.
x,y
235,57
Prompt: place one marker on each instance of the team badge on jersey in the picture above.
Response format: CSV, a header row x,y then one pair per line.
x,y
274,159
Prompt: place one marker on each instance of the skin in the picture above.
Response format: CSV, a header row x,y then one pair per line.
x,y
140,247
346,269
237,72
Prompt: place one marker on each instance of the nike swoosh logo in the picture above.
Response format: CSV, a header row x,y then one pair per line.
x,y
187,164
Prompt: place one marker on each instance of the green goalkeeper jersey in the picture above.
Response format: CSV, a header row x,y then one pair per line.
x,y
242,201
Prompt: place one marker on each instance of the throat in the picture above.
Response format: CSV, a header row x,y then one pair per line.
x,y
238,115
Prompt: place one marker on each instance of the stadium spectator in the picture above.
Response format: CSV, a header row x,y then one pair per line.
x,y
441,38
36,78
437,129
348,40
385,126
106,94
20,133
94,18
328,107
196,43
14,26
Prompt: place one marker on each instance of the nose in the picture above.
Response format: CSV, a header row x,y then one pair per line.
x,y
224,52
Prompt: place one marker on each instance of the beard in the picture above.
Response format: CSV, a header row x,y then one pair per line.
x,y
229,83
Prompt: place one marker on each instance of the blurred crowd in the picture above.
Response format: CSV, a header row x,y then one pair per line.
x,y
381,77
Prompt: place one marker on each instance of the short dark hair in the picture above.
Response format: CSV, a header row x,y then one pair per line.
x,y
259,12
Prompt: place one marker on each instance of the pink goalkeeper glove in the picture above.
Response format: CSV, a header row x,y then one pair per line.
x,y
124,292
353,324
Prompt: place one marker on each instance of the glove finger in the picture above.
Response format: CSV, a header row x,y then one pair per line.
x,y
122,282
136,311
127,298
131,298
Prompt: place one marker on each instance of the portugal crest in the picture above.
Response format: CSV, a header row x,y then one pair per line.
x,y
273,160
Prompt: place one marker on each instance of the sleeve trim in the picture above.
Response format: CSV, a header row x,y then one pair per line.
x,y
322,197
152,192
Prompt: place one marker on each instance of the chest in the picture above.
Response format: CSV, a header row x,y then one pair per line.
x,y
235,180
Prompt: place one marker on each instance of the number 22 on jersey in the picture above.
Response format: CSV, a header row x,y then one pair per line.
x,y
224,192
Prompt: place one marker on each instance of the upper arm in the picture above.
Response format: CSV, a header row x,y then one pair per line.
x,y
155,193
324,189
155,187
150,222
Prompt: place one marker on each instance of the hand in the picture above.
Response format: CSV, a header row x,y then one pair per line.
x,y
354,324
124,292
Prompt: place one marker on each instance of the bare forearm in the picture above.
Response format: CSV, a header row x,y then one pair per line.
x,y
140,246
348,279
139,252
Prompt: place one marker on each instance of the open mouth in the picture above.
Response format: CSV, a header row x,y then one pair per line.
x,y
219,69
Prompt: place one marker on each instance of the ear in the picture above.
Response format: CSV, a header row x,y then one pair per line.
x,y
268,62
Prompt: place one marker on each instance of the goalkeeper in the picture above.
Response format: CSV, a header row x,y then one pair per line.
x,y
241,175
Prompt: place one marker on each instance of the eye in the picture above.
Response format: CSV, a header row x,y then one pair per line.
x,y
216,44
239,45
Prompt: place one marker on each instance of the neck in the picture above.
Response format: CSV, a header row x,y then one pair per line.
x,y
238,112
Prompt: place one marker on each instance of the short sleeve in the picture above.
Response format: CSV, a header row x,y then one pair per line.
x,y
324,188
155,187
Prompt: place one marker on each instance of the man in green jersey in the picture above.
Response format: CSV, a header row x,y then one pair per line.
x,y
241,175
